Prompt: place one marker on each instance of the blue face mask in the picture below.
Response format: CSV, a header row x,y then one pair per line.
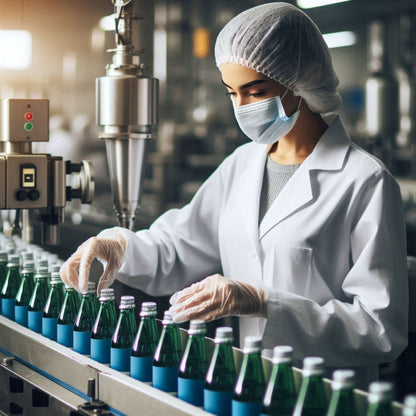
x,y
265,121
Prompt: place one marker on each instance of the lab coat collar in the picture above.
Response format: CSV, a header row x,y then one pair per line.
x,y
328,154
331,149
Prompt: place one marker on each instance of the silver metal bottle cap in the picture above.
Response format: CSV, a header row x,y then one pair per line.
x,y
27,256
380,391
223,334
28,266
42,263
13,260
90,290
282,354
313,366
343,379
42,272
127,302
167,318
252,344
410,402
107,294
148,309
55,268
197,326
55,278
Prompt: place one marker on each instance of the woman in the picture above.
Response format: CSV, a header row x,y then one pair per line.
x,y
301,232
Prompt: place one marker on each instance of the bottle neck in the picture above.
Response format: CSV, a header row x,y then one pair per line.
x,y
250,382
125,331
194,360
147,337
168,350
221,375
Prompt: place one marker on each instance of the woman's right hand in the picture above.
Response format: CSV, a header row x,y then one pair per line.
x,y
109,247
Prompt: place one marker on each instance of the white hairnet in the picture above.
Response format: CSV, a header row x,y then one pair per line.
x,y
281,41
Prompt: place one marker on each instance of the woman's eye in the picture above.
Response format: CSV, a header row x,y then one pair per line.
x,y
257,94
230,93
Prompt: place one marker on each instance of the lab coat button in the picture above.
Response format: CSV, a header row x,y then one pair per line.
x,y
254,256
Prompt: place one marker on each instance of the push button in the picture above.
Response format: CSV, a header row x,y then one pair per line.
x,y
34,195
21,195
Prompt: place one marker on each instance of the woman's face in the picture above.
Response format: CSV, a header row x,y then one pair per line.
x,y
247,86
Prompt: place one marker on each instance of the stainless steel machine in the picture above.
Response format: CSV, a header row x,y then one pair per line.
x,y
33,183
126,111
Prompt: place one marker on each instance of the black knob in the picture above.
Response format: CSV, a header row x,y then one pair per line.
x,y
20,195
34,195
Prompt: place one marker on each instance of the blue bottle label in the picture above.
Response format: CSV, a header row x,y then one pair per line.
x,y
100,350
82,342
34,321
20,315
218,402
141,368
65,334
7,308
49,328
120,359
165,378
245,409
191,390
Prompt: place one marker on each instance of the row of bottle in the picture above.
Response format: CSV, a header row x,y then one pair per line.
x,y
91,327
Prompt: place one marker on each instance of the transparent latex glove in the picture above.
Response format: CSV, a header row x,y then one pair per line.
x,y
216,297
109,247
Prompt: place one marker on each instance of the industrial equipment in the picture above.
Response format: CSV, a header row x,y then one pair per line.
x,y
32,182
126,111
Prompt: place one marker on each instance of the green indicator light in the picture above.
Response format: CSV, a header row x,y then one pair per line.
x,y
28,126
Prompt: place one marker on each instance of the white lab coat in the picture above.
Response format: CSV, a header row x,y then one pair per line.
x,y
330,252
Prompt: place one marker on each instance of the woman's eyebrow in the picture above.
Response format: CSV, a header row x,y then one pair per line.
x,y
249,84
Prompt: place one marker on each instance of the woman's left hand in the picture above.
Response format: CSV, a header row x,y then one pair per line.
x,y
216,297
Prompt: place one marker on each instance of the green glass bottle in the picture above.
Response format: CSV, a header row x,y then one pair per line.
x,y
167,357
221,375
312,400
380,399
104,327
10,286
124,334
409,405
342,401
38,299
53,305
193,366
280,395
249,388
67,316
24,293
85,319
3,271
144,344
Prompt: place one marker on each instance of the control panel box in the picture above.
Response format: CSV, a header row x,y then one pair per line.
x,y
27,182
24,120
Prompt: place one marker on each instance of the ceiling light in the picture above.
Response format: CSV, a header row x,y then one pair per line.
x,y
340,39
309,4
15,49
107,23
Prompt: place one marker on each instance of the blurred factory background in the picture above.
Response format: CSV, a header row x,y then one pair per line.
x,y
56,50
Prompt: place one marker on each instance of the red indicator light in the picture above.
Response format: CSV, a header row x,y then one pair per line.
x,y
28,116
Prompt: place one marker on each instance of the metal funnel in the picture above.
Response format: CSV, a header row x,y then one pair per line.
x,y
126,164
